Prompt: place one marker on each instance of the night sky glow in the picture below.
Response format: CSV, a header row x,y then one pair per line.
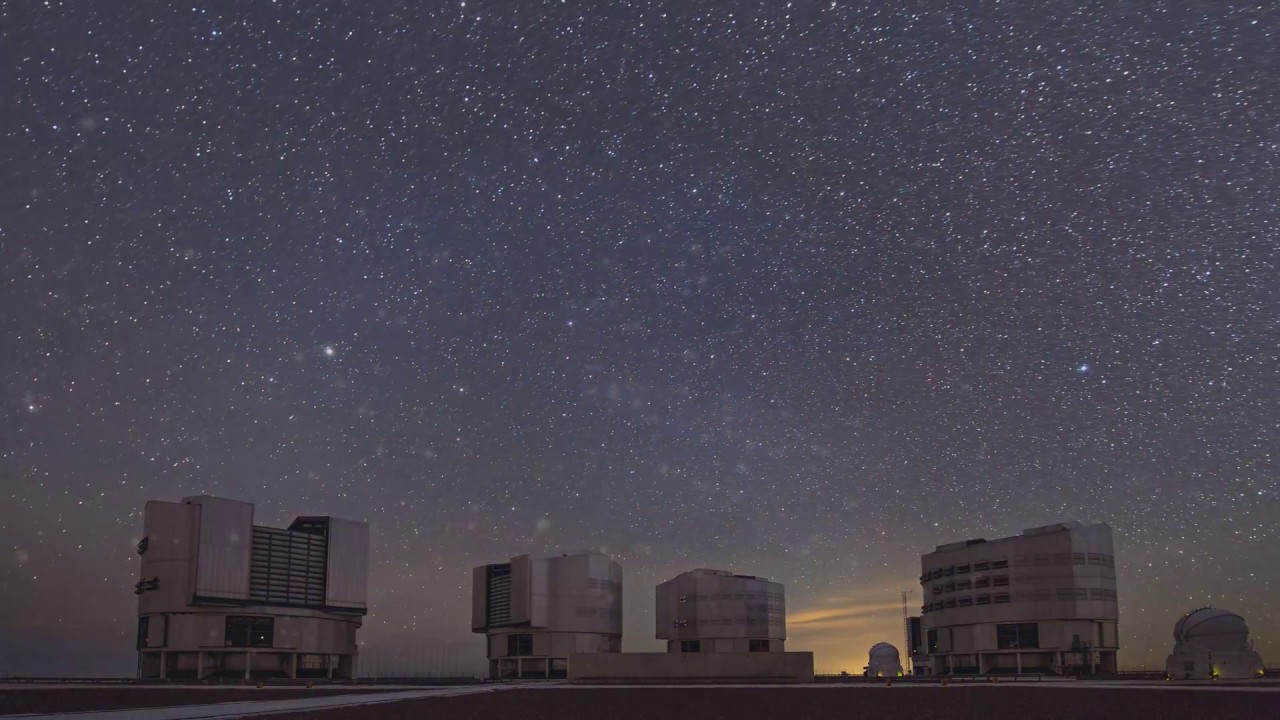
x,y
798,290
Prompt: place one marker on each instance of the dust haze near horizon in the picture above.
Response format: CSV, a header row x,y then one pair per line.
x,y
798,290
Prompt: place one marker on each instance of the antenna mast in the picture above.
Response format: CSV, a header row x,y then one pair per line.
x,y
906,632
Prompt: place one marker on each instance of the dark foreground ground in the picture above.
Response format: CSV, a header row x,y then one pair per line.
x,y
58,699
842,703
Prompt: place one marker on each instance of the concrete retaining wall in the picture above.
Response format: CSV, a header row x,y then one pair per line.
x,y
748,667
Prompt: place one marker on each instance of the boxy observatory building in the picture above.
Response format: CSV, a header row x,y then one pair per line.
x,y
718,626
1042,601
536,612
221,596
716,611
1212,643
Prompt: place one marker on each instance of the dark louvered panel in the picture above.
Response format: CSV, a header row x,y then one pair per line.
x,y
287,567
499,594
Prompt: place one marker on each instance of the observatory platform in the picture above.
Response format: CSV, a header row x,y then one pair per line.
x,y
552,700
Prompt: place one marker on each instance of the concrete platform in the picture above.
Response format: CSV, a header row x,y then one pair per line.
x,y
265,706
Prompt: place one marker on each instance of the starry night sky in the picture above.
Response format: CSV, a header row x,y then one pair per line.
x,y
796,289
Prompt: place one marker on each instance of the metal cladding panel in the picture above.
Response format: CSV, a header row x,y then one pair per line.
x,y
539,600
584,594
225,542
168,554
348,569
665,609
701,605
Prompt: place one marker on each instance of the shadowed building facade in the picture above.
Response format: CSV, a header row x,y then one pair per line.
x,y
221,596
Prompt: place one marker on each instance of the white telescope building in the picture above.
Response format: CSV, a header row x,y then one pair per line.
x,y
1212,643
220,596
536,612
883,661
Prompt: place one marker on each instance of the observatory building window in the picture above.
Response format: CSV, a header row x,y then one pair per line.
x,y
144,624
758,646
690,646
520,645
982,600
1000,580
1000,598
981,566
982,582
244,631
1011,636
999,564
932,640
315,662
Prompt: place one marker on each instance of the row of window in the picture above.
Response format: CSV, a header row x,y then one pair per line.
x,y
520,645
980,566
247,631
771,597
984,581
1017,636
769,619
1036,595
238,631
1042,559
967,601
1009,636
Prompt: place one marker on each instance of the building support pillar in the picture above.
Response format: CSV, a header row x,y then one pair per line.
x,y
248,663
1019,656
293,666
199,665
519,667
164,666
328,661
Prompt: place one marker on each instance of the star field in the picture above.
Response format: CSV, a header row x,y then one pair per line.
x,y
796,289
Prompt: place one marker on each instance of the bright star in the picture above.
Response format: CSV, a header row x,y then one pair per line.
x,y
329,351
